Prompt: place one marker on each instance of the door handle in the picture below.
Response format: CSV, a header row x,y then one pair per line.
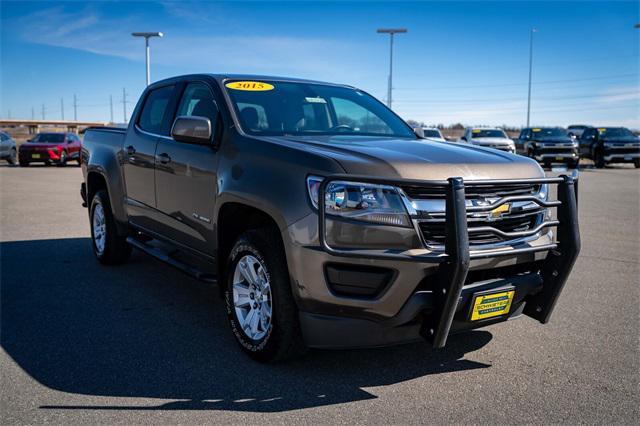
x,y
163,158
131,150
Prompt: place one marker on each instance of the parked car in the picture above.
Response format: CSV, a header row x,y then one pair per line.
x,y
549,145
576,130
325,221
433,133
8,149
489,138
606,145
56,148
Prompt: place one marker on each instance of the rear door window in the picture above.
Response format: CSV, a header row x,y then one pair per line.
x,y
154,110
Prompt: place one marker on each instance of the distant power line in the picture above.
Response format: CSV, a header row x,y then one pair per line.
x,y
535,83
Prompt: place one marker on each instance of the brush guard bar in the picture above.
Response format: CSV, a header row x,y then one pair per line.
x,y
455,259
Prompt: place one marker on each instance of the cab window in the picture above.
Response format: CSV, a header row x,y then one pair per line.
x,y
155,109
197,100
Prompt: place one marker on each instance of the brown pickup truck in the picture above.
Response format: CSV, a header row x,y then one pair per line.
x,y
323,218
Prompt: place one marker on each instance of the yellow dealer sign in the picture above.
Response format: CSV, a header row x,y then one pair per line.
x,y
492,305
250,86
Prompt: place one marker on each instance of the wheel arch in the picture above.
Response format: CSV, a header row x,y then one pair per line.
x,y
233,219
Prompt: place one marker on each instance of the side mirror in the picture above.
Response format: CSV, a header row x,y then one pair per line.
x,y
192,129
419,132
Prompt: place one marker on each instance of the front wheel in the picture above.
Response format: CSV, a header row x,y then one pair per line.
x,y
598,159
13,157
108,247
260,306
62,162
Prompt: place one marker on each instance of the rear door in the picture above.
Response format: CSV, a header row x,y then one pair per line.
x,y
150,125
186,183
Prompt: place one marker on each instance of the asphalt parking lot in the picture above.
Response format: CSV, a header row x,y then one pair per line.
x,y
142,343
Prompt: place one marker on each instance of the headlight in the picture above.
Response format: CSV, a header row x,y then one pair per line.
x,y
381,204
543,194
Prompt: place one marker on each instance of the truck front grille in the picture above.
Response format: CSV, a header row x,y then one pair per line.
x,y
426,193
434,231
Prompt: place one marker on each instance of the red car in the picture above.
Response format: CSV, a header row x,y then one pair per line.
x,y
57,148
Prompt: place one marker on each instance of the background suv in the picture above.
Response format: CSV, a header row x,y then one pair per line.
x,y
50,148
489,138
549,145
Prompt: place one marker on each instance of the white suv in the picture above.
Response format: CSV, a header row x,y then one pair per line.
x,y
489,138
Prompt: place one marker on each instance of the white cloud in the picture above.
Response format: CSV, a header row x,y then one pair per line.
x,y
90,32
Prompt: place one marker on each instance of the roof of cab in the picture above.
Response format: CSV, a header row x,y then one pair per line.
x,y
221,77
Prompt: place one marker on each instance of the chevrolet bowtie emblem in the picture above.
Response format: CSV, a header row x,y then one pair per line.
x,y
500,210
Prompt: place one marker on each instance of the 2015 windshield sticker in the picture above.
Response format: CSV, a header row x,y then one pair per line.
x,y
250,86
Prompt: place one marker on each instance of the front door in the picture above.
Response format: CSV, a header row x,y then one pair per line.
x,y
186,182
139,156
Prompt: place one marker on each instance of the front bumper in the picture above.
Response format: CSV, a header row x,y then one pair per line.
x,y
39,156
429,293
556,157
621,155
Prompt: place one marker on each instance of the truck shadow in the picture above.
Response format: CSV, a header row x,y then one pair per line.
x,y
144,330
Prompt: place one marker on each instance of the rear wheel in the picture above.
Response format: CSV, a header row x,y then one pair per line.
x,y
261,310
636,163
13,157
24,164
108,247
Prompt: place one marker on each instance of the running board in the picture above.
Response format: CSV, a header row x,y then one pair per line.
x,y
165,257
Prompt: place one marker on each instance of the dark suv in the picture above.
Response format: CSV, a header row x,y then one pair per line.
x,y
548,145
606,145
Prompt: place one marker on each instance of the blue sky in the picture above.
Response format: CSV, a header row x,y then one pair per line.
x,y
460,61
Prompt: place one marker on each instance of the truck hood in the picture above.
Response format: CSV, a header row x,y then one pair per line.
x,y
491,141
414,158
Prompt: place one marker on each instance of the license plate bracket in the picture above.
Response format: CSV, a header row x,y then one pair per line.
x,y
35,155
491,303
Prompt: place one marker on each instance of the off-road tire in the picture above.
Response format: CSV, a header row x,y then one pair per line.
x,y
116,249
283,339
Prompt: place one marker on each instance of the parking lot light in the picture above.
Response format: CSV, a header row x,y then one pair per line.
x,y
147,36
391,32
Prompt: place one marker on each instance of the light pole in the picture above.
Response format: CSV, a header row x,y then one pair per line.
x,y
391,32
533,30
147,36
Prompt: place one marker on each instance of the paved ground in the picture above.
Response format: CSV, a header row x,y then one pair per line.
x,y
141,343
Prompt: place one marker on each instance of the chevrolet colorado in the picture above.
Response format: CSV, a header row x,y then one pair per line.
x,y
322,217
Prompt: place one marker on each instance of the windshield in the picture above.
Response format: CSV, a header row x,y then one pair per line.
x,y
549,133
49,138
615,132
291,108
432,134
482,133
